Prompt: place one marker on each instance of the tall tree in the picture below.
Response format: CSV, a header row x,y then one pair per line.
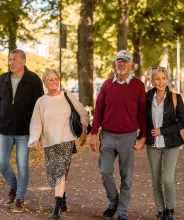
x,y
153,25
13,26
123,25
85,52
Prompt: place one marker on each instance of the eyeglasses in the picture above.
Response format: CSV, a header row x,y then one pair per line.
x,y
122,61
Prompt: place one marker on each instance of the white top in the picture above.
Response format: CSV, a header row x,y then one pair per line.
x,y
157,116
51,119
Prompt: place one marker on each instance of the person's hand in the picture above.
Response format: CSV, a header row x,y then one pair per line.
x,y
156,132
82,138
139,144
36,144
94,143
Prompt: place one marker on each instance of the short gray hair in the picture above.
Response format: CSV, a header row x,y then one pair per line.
x,y
46,75
154,70
21,52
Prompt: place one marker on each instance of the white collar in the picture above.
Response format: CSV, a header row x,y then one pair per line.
x,y
127,80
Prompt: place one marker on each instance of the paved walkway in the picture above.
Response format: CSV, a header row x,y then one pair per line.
x,y
85,193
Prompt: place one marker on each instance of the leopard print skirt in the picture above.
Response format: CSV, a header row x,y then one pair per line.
x,y
57,161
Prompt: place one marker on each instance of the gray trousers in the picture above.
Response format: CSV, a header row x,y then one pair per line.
x,y
168,158
121,145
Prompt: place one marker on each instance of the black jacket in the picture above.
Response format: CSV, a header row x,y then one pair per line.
x,y
15,115
173,121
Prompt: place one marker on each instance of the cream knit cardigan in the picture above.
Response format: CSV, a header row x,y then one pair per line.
x,y
51,119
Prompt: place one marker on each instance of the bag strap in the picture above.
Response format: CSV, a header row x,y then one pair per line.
x,y
69,102
174,98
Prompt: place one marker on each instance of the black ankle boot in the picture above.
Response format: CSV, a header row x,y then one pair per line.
x,y
74,149
59,203
64,206
169,214
161,216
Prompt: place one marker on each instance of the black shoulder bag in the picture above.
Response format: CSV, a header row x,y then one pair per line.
x,y
75,123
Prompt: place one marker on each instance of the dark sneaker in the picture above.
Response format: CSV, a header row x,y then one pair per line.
x,y
169,214
11,197
109,213
161,216
122,217
19,205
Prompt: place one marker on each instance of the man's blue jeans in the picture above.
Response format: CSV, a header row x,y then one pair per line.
x,y
7,143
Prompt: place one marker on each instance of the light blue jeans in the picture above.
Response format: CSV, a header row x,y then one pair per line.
x,y
7,143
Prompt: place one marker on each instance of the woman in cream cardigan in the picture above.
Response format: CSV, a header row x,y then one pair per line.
x,y
51,123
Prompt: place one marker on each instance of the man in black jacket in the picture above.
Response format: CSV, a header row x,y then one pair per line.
x,y
19,91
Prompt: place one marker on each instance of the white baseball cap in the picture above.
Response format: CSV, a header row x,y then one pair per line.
x,y
125,55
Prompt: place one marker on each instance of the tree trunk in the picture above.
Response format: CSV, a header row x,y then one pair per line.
x,y
85,53
12,38
123,25
137,56
13,24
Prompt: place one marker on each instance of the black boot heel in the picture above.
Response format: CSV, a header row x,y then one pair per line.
x,y
64,206
59,204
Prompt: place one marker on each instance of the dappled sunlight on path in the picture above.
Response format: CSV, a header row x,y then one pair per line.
x,y
85,194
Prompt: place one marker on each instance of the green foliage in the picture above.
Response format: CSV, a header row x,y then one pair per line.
x,y
15,18
106,18
49,19
3,63
158,22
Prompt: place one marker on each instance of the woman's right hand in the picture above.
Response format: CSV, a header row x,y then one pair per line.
x,y
36,144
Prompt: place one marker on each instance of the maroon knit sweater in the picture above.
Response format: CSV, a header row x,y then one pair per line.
x,y
121,108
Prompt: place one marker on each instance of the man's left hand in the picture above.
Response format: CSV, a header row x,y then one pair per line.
x,y
139,144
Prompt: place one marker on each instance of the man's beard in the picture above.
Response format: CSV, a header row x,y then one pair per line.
x,y
120,72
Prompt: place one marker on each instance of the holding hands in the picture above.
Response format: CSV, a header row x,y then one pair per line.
x,y
139,144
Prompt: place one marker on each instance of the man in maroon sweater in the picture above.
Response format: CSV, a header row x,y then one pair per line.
x,y
120,112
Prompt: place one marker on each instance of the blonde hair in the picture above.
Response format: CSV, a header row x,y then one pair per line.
x,y
46,75
153,71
